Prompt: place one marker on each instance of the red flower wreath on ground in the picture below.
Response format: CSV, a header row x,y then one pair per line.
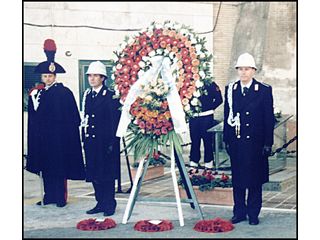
x,y
147,226
214,226
92,224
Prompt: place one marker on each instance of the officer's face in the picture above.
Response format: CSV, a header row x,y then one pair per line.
x,y
246,73
48,78
95,80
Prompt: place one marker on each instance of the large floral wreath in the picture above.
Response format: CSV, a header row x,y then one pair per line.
x,y
150,115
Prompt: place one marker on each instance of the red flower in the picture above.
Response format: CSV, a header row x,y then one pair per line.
x,y
180,45
168,40
142,125
149,49
157,132
135,67
184,52
158,31
174,42
138,59
129,62
133,72
156,45
132,53
136,47
156,155
149,125
224,177
186,60
122,60
133,79
143,52
164,130
189,75
163,44
188,68
125,69
125,76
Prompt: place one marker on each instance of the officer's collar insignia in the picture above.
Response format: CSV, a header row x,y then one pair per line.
x,y
235,86
256,87
104,92
52,67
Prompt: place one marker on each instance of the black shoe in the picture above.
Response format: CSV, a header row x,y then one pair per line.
x,y
236,219
45,202
61,204
253,221
108,213
95,210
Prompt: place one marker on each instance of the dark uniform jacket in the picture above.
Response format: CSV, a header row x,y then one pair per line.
x,y
103,118
54,145
213,99
249,165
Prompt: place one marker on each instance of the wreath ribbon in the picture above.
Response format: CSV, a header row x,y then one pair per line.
x,y
163,66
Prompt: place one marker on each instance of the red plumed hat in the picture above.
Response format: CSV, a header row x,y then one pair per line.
x,y
49,45
49,66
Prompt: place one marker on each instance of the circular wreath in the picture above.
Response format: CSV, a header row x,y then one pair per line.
x,y
92,224
148,226
150,111
179,43
213,226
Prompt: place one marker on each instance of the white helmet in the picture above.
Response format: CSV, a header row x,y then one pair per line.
x,y
97,67
246,60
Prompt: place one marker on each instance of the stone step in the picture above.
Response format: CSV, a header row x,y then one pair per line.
x,y
281,181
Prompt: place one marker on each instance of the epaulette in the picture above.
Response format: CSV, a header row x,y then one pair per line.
x,y
33,91
267,85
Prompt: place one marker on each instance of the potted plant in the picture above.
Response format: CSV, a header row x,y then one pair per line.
x,y
210,188
155,168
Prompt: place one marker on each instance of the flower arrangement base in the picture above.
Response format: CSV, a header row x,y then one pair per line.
x,y
153,225
219,196
92,224
152,172
213,226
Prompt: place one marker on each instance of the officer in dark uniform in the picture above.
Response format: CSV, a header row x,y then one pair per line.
x,y
248,134
199,126
102,147
54,147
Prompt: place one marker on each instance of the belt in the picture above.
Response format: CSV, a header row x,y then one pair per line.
x,y
202,114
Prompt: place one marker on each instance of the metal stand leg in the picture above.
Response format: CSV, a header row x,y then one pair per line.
x,y
183,178
135,189
216,144
188,186
128,164
175,186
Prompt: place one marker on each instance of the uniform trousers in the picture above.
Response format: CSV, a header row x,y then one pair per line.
x,y
55,189
198,130
105,194
253,205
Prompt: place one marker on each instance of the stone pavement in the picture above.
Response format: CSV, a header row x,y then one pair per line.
x,y
277,218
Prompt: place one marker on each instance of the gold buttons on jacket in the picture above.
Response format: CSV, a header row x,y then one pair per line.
x,y
247,125
92,115
248,137
247,113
